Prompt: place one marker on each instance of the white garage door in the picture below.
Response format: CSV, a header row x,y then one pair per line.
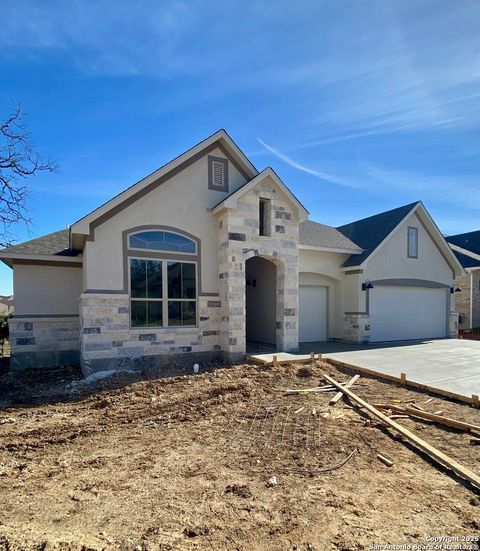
x,y
402,313
312,313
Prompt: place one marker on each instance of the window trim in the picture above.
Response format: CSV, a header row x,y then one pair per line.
x,y
160,250
415,229
165,299
167,255
211,185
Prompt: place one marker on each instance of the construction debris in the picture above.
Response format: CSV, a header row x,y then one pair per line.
x,y
424,446
339,395
453,423
385,460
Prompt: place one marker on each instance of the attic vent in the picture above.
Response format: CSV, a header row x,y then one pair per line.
x,y
217,174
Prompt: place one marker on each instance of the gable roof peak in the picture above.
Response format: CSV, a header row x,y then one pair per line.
x,y
220,138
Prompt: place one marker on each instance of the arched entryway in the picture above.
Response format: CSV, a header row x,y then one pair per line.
x,y
261,303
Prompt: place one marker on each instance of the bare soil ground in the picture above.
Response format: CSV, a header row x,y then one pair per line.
x,y
185,463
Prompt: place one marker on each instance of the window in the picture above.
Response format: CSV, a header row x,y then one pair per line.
x,y
412,242
217,174
162,241
182,288
162,293
265,222
146,292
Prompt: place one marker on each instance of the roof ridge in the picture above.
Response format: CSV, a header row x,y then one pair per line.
x,y
396,209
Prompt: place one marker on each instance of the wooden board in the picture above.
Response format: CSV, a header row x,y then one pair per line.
x,y
431,417
421,444
338,395
342,365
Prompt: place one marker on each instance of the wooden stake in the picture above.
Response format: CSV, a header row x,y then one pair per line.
x,y
421,444
403,378
274,361
338,395
312,357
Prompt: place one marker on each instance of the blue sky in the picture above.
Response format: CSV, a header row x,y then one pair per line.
x,y
360,106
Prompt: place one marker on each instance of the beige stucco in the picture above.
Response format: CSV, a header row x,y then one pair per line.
x,y
392,260
46,290
322,268
182,202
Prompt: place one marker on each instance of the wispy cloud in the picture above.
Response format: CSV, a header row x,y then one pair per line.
x,y
327,177
454,189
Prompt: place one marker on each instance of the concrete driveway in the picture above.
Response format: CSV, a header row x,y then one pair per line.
x,y
450,365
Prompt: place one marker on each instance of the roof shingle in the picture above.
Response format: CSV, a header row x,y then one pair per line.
x,y
466,261
370,232
56,243
469,241
319,235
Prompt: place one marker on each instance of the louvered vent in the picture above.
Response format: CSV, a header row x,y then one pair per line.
x,y
218,175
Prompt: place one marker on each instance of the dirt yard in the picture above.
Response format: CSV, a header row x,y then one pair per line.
x,y
187,463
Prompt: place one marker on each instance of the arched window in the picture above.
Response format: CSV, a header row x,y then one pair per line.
x,y
156,240
162,277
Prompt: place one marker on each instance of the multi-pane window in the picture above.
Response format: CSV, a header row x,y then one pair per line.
x,y
163,290
412,242
182,292
162,241
146,292
162,293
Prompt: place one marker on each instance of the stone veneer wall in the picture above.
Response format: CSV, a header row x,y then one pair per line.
x,y
356,328
108,342
476,298
463,299
453,325
239,240
44,341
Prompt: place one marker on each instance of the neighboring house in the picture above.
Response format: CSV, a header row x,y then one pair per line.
x,y
466,247
6,305
207,253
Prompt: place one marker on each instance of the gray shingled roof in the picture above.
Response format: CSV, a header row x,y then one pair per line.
x,y
469,241
371,231
319,235
467,261
56,243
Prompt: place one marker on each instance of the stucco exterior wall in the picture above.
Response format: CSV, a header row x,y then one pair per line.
x,y
46,290
181,202
321,268
391,261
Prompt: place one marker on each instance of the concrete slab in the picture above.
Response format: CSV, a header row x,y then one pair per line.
x,y
450,365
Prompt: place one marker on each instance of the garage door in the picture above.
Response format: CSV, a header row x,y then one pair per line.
x,y
402,313
312,313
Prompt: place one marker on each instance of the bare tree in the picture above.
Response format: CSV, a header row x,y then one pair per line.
x,y
18,162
